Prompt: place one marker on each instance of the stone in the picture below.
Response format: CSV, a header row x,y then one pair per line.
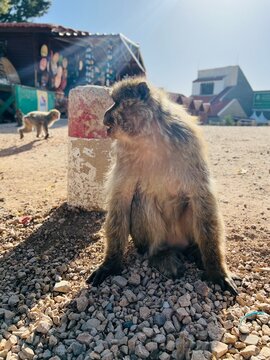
x,y
13,300
189,287
131,297
84,338
53,341
215,332
229,338
239,345
82,303
170,345
168,327
134,279
91,324
160,339
107,355
159,319
201,288
218,348
141,351
266,330
149,332
181,312
77,348
228,324
9,315
244,329
27,352
144,312
251,339
62,286
47,354
60,350
265,351
119,281
184,300
151,346
248,351
164,356
99,348
132,343
198,355
44,326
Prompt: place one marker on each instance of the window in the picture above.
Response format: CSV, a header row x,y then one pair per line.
x,y
207,88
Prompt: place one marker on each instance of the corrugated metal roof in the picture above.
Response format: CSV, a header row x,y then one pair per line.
x,y
49,28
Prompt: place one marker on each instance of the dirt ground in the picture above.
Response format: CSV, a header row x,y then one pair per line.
x,y
34,218
33,178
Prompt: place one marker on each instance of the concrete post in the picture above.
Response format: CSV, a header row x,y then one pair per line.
x,y
88,146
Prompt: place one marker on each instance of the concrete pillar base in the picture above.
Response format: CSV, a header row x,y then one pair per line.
x,y
88,147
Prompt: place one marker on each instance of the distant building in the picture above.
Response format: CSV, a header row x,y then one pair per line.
x,y
261,106
219,92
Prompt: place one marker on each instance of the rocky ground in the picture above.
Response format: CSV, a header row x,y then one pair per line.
x,y
47,250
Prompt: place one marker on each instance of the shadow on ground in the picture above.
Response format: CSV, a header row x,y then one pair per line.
x,y
14,150
46,252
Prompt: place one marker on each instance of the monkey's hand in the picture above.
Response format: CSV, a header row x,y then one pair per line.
x,y
107,268
224,280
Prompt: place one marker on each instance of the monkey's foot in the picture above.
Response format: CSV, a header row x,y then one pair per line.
x,y
107,268
46,136
168,263
224,280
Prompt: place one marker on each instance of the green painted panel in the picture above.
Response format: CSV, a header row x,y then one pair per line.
x,y
30,99
261,100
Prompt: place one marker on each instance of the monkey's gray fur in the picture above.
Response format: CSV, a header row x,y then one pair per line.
x,y
159,189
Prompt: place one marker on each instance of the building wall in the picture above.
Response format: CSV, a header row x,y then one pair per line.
x,y
218,87
242,92
229,72
234,109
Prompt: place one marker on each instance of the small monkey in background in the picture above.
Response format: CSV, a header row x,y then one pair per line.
x,y
159,189
40,120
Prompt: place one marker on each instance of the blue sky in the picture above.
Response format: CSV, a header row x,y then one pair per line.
x,y
178,37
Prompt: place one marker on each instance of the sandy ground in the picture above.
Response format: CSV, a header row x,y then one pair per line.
x,y
33,178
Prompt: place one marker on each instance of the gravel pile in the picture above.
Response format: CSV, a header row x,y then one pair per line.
x,y
48,312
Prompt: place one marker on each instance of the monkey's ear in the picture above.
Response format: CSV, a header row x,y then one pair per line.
x,y
143,90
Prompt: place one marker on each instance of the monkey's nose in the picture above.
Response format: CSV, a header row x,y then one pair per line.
x,y
107,121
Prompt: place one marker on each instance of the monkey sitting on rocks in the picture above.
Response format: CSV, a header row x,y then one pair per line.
x,y
39,120
159,189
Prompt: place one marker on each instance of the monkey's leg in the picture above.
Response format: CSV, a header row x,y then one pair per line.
x,y
26,128
138,226
117,230
46,131
38,128
209,235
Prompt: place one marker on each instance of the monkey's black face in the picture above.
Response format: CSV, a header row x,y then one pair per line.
x,y
130,116
109,121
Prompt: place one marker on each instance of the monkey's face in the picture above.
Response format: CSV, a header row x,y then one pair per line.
x,y
130,116
55,115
